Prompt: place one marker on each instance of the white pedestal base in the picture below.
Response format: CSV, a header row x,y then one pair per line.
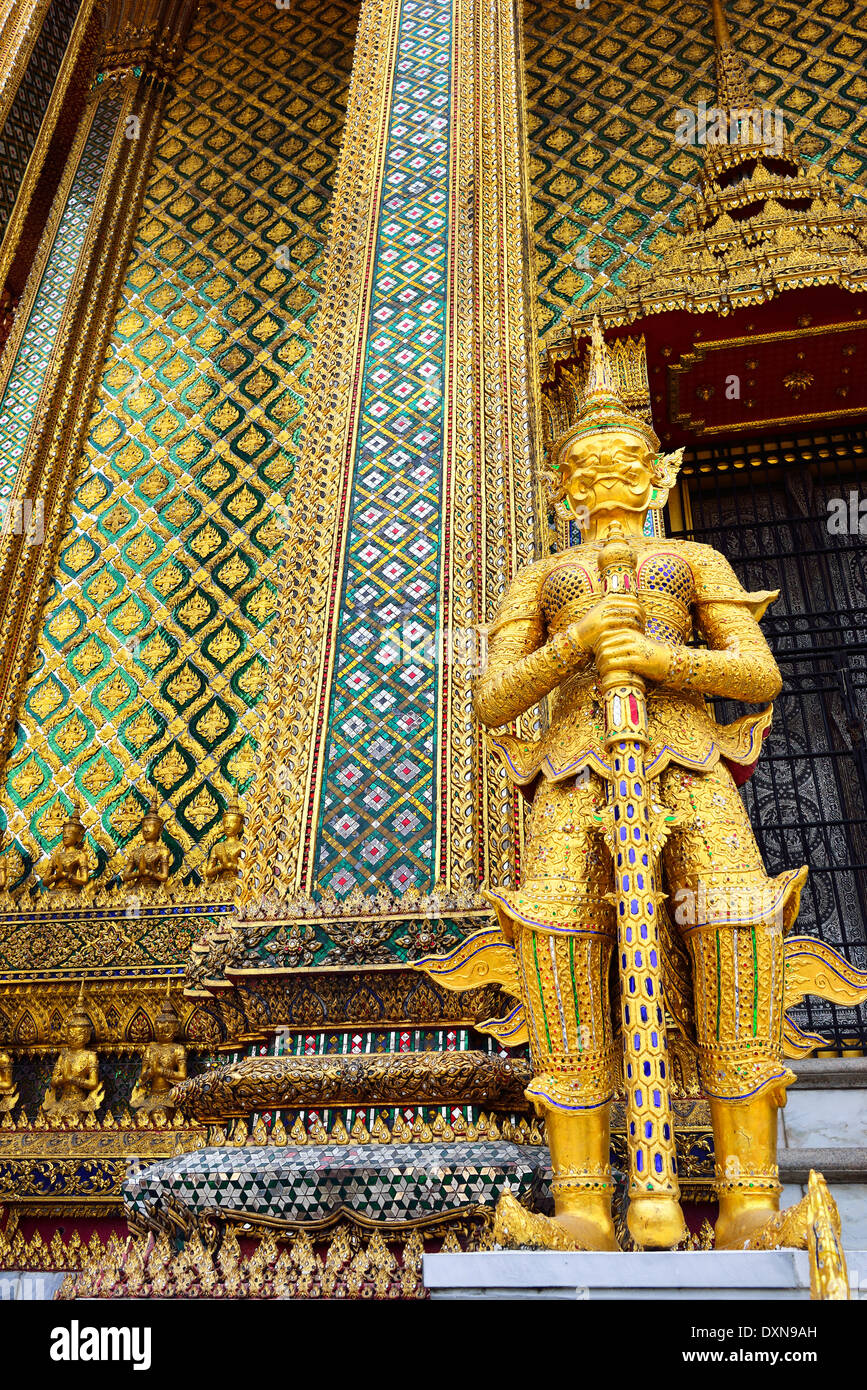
x,y
698,1274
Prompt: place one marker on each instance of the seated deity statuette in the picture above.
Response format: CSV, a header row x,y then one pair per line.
x,y
8,1090
68,866
75,1086
149,865
164,1063
225,855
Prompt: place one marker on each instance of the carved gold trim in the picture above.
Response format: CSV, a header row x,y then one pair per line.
x,y
50,122
772,423
462,1077
783,334
20,27
123,1011
507,484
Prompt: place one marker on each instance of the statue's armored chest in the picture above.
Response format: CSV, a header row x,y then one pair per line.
x,y
666,586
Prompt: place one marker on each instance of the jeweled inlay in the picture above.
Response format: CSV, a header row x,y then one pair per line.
x,y
379,785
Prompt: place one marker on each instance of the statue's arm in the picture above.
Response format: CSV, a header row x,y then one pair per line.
x,y
522,666
738,664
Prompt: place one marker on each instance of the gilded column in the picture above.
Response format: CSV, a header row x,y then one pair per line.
x,y
415,497
47,49
51,363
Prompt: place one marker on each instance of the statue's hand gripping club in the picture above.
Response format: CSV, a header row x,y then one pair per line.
x,y
654,1217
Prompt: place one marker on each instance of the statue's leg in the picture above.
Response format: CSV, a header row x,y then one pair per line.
x,y
733,918
564,933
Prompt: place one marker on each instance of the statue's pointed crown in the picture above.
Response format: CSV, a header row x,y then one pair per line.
x,y
603,408
78,1014
168,1013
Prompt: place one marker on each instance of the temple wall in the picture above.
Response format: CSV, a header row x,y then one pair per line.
x,y
154,647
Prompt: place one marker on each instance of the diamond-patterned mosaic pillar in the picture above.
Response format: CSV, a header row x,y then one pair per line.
x,y
415,498
55,351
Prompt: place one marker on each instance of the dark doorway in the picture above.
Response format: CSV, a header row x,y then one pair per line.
x,y
766,507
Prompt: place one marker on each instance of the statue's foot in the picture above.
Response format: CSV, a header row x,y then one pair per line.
x,y
760,1228
656,1223
588,1230
516,1228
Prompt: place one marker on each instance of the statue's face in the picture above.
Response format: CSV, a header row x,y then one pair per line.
x,y
78,1034
72,835
150,829
165,1030
233,823
609,472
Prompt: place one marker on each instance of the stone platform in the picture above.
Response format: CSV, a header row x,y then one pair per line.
x,y
651,1274
385,1182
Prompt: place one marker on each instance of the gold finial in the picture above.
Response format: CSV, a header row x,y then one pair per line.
x,y
765,130
733,86
721,30
600,373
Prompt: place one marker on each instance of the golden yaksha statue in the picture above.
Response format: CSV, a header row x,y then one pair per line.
x,y
634,790
75,1086
149,865
164,1063
68,866
224,858
8,1089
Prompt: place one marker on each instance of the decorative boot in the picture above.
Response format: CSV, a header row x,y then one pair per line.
x,y
581,1186
748,1182
581,1183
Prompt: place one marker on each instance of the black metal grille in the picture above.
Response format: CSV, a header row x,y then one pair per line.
x,y
765,506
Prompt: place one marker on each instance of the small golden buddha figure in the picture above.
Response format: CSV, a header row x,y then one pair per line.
x,y
75,1086
164,1063
68,866
224,858
8,1090
150,863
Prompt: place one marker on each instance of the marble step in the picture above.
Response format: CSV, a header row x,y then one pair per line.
x,y
646,1276
826,1107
